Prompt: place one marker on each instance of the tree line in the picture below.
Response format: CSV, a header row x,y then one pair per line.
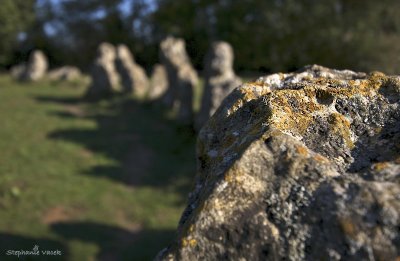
x,y
267,35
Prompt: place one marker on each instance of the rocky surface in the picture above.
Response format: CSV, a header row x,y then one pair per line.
x,y
133,76
299,166
182,78
65,73
220,80
159,82
105,79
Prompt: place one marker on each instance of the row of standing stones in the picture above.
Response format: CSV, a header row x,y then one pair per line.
x,y
172,83
297,166
37,68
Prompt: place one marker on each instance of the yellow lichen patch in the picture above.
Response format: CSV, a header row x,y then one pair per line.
x,y
253,90
192,242
247,91
341,126
189,242
184,242
348,227
321,158
292,109
256,83
365,87
236,106
191,228
302,150
234,176
380,166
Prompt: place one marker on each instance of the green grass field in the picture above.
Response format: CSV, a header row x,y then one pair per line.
x,y
98,181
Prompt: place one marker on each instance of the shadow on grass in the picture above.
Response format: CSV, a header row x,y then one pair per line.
x,y
11,242
149,148
115,243
63,100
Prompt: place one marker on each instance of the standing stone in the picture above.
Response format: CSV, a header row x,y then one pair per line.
x,y
65,73
133,76
220,80
37,66
298,166
105,79
182,78
18,71
159,82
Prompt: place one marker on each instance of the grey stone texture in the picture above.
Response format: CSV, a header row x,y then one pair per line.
x,y
159,82
220,80
105,79
133,76
298,166
182,78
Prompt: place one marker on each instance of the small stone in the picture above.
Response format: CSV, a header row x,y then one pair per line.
x,y
65,73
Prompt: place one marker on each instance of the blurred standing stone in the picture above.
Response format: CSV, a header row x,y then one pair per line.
x,y
220,80
65,73
159,82
182,78
105,79
133,76
37,66
18,71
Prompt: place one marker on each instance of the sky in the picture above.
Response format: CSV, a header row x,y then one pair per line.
x,y
124,7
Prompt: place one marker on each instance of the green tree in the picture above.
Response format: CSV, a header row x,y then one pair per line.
x,y
15,17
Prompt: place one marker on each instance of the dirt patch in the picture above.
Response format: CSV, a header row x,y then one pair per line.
x,y
126,222
60,214
75,110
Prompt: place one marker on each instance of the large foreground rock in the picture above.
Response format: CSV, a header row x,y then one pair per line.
x,y
300,166
105,79
220,80
182,78
133,76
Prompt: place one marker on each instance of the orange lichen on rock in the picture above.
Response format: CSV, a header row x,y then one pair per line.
x,y
189,242
348,227
302,150
292,110
341,126
380,166
321,158
234,176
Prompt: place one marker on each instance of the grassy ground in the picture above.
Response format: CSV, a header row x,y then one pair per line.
x,y
101,181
